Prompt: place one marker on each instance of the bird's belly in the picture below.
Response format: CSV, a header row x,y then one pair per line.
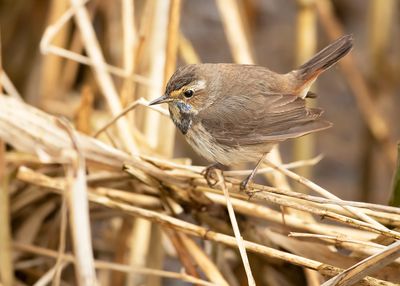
x,y
205,145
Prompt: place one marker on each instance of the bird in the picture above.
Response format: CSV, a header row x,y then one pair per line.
x,y
235,113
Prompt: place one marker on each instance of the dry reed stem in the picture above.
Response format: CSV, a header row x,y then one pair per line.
x,y
99,264
129,35
325,193
372,117
366,267
140,102
79,211
157,56
6,265
8,86
236,231
52,65
203,261
58,267
365,248
185,256
382,14
336,239
51,273
173,39
87,61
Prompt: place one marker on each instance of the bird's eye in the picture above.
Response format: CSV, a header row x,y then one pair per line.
x,y
188,93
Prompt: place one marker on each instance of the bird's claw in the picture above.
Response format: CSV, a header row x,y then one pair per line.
x,y
244,185
210,175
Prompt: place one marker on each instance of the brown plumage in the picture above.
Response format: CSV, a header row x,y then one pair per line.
x,y
233,113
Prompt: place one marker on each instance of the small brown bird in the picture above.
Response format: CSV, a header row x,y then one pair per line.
x,y
231,113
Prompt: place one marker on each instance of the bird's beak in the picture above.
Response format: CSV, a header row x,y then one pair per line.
x,y
162,99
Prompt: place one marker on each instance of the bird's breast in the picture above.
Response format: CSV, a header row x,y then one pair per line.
x,y
205,145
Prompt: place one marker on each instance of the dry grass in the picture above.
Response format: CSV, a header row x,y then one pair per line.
x,y
116,208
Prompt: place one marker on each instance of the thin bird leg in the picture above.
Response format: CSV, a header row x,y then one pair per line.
x,y
208,173
245,183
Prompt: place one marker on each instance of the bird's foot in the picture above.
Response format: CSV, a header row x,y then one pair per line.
x,y
245,184
210,175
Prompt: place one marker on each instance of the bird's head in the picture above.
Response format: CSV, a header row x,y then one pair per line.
x,y
186,95
185,90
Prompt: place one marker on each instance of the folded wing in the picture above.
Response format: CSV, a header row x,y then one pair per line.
x,y
260,118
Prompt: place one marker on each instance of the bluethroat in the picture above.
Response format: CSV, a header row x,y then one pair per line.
x,y
232,113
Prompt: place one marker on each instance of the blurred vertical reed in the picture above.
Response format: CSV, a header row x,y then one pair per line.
x,y
395,196
306,34
379,26
52,65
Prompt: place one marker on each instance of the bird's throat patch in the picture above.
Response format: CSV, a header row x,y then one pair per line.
x,y
182,115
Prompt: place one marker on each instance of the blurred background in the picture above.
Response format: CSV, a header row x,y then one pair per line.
x,y
361,96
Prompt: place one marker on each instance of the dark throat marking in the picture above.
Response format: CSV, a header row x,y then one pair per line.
x,y
185,118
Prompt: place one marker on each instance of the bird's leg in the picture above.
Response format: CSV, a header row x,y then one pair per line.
x,y
208,173
245,183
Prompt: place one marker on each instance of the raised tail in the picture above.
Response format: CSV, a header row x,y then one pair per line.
x,y
324,59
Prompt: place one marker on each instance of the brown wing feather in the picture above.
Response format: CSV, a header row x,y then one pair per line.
x,y
240,120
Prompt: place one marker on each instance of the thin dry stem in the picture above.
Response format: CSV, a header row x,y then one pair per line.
x,y
236,231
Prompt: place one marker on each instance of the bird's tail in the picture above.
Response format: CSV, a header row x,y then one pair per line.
x,y
323,60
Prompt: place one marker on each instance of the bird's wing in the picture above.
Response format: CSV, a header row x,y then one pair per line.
x,y
240,120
